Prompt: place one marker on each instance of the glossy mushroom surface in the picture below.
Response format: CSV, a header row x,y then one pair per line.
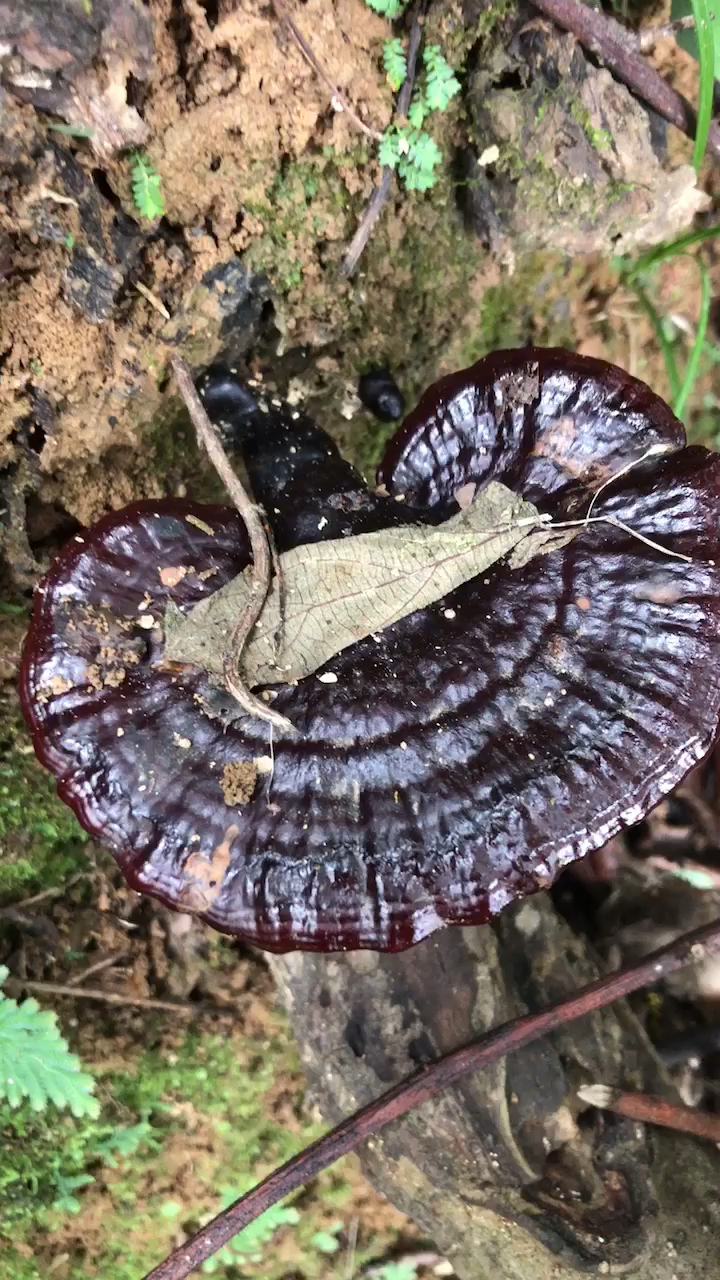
x,y
458,759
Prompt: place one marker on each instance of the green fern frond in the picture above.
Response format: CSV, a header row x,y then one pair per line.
x,y
146,187
413,154
418,111
35,1062
417,167
442,85
389,149
394,62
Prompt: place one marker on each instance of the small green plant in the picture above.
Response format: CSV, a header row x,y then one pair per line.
x,y
35,1062
390,9
327,1241
248,1244
72,130
394,62
124,1141
65,1200
413,153
638,274
441,84
146,187
403,1270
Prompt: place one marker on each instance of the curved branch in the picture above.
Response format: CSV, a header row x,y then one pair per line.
x,y
424,1085
259,545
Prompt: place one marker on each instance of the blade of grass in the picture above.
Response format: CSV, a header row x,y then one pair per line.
x,y
706,57
72,130
680,401
662,252
663,342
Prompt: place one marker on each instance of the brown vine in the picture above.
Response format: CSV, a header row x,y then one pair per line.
x,y
424,1085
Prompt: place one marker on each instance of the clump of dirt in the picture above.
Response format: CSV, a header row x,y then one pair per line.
x,y
239,780
240,92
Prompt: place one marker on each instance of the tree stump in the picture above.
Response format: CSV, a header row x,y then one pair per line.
x,y
504,1171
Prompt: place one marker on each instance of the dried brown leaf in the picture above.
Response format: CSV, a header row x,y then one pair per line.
x,y
339,592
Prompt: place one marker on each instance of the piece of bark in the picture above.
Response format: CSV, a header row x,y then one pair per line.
x,y
62,35
76,63
580,163
16,482
497,1171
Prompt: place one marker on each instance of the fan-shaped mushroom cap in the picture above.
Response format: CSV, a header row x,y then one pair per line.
x,y
445,766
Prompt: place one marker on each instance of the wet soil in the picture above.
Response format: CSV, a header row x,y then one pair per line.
x,y
264,183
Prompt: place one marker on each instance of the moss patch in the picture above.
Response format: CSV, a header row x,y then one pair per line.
x,y
41,843
181,1132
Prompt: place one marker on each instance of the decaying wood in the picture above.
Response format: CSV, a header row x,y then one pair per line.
x,y
608,40
497,1170
429,1081
75,62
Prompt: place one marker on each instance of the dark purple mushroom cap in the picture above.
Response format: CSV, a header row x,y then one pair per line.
x,y
464,755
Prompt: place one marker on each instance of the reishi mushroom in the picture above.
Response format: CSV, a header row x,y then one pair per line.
x,y
445,766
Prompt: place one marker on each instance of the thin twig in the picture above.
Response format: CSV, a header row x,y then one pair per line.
x,y
654,451
544,520
55,892
614,45
647,37
616,524
106,997
106,963
424,1085
153,299
252,517
374,207
339,100
351,1248
651,1110
366,226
